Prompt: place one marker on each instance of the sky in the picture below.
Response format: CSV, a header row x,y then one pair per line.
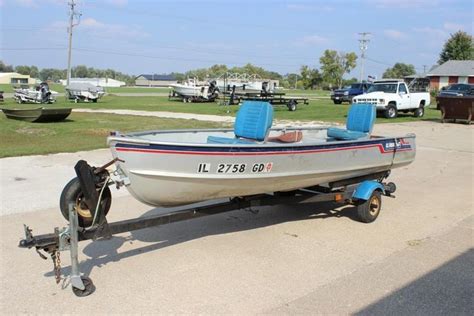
x,y
163,36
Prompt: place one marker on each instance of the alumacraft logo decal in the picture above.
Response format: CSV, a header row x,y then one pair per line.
x,y
401,144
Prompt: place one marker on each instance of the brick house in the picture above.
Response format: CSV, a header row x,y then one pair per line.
x,y
452,71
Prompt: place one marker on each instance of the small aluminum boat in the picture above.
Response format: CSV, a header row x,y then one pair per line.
x,y
169,168
38,115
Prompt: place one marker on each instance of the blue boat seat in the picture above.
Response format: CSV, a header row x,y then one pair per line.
x,y
359,124
252,124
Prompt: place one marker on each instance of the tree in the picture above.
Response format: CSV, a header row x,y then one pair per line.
x,y
310,77
5,68
32,71
335,64
24,70
399,70
80,71
290,80
458,47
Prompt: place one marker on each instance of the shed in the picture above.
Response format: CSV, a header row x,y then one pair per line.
x,y
451,72
155,80
15,78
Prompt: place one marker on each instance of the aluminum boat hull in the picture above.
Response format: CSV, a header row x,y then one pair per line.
x,y
38,115
161,172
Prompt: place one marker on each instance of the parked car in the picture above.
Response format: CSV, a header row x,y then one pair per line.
x,y
349,92
458,89
391,96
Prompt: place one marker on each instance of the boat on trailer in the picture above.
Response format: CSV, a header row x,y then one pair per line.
x,y
253,165
169,168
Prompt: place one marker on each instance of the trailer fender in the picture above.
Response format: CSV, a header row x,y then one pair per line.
x,y
366,188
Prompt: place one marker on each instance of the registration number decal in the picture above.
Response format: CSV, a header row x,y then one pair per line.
x,y
231,168
236,168
262,167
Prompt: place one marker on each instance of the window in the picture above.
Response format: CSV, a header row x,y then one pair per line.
x,y
402,89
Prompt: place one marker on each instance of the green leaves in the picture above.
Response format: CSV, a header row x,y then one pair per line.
x,y
335,64
458,47
399,70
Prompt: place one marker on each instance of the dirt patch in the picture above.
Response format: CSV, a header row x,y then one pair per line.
x,y
35,131
96,132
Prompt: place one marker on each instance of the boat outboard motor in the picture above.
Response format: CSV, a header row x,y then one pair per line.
x,y
45,93
213,89
265,87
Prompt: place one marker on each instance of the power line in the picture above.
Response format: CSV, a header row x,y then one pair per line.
x,y
31,48
213,52
205,21
90,50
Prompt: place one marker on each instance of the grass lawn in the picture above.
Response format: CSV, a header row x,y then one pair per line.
x,y
84,131
311,93
80,131
316,110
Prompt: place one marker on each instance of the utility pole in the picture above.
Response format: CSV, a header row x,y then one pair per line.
x,y
363,44
72,14
424,69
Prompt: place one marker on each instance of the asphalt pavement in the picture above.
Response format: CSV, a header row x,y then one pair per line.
x,y
416,258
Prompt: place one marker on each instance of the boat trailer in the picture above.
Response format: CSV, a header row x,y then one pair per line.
x,y
364,192
275,98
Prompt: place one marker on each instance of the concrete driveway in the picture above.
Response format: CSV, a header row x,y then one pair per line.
x,y
416,258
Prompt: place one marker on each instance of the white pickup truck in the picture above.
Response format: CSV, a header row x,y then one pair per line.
x,y
391,96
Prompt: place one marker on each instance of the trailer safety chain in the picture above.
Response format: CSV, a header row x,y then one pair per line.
x,y
56,256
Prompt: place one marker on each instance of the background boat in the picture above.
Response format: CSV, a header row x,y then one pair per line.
x,y
38,114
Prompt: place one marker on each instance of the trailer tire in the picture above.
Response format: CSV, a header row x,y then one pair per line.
x,y
292,105
72,193
368,211
89,287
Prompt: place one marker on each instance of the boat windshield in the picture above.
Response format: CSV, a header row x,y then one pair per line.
x,y
383,87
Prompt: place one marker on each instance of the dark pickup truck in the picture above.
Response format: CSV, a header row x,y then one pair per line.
x,y
346,94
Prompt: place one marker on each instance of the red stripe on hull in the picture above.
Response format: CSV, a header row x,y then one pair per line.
x,y
210,153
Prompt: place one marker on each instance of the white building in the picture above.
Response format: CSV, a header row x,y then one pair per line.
x,y
15,78
98,82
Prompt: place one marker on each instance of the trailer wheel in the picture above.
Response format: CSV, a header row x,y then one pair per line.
x,y
72,193
89,287
368,211
292,105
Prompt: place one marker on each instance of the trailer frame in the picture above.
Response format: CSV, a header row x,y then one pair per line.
x,y
356,191
275,98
